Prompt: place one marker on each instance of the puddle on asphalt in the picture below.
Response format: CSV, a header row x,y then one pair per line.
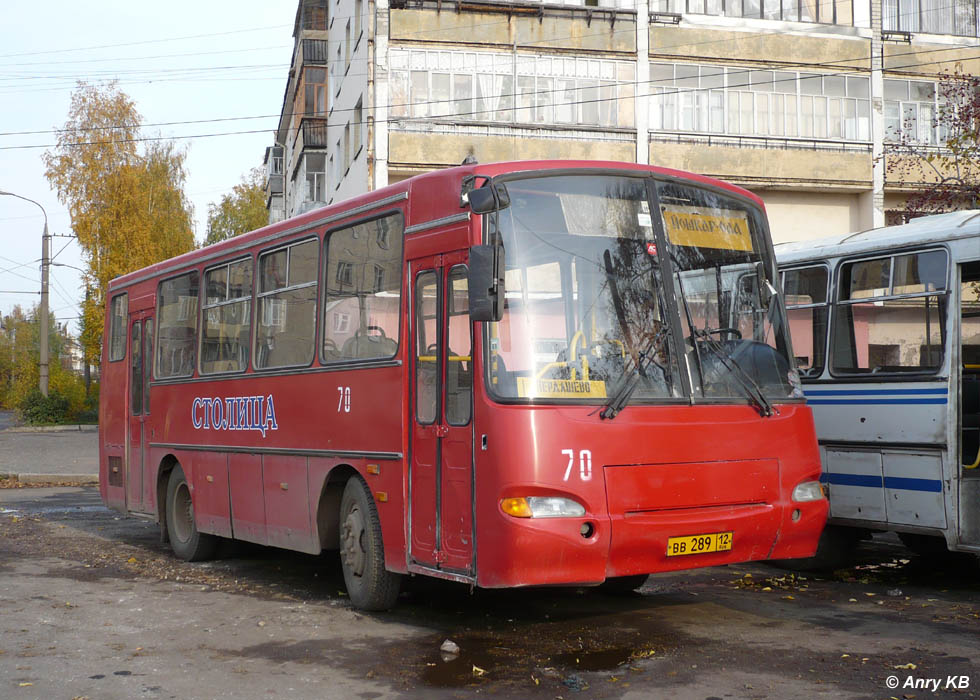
x,y
602,641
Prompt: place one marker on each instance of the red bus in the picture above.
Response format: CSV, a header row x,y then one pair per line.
x,y
511,374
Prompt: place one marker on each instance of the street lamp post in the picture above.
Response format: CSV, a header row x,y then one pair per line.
x,y
44,293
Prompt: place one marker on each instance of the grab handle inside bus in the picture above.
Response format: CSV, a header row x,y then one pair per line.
x,y
486,283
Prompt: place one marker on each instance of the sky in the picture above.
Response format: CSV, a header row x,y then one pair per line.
x,y
179,61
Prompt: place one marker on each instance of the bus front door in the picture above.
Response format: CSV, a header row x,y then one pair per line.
x,y
138,400
441,508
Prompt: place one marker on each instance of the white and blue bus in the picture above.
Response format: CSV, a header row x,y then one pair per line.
x,y
886,335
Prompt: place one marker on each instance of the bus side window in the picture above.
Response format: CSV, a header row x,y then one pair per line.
x,y
117,327
177,332
459,359
363,276
286,321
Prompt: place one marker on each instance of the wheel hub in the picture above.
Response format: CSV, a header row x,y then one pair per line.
x,y
352,547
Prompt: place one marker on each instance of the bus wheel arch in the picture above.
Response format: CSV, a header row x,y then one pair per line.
x,y
328,506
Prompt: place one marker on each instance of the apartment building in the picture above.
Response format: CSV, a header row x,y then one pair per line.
x,y
796,100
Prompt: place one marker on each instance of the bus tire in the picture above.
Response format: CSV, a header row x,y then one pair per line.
x,y
621,585
835,550
188,544
927,546
370,585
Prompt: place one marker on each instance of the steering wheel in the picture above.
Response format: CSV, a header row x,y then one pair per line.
x,y
329,346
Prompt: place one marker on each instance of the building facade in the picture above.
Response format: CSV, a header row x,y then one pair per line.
x,y
796,100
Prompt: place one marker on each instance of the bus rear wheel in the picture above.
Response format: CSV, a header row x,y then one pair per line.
x,y
188,544
926,546
369,584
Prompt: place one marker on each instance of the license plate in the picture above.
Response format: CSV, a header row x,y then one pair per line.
x,y
699,544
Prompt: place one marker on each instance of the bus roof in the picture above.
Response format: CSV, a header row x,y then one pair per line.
x,y
927,229
445,182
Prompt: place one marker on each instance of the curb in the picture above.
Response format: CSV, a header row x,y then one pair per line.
x,y
47,478
53,429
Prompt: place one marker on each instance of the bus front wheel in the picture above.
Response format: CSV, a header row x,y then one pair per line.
x,y
622,585
188,544
369,585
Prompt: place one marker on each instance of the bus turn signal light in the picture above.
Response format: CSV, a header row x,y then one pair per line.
x,y
516,507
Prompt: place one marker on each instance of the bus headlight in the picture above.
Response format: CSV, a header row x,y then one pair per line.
x,y
542,507
807,491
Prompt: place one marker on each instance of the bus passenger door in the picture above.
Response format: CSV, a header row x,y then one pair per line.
x,y
138,400
441,480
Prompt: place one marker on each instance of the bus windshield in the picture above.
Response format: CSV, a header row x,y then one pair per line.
x,y
597,298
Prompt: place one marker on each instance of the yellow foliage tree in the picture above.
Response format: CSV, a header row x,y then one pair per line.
x,y
127,204
239,212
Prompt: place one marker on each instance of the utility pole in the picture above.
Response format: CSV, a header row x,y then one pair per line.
x,y
43,320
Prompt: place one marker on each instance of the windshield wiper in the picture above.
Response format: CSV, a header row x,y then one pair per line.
x,y
642,358
751,389
626,389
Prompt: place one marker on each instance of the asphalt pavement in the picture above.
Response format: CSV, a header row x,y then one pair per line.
x,y
60,451
95,606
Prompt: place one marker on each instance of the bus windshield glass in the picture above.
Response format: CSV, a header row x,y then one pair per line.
x,y
594,291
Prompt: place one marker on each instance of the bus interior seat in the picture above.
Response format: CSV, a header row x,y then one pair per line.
x,y
368,345
970,417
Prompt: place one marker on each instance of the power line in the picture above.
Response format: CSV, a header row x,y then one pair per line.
x,y
471,113
147,41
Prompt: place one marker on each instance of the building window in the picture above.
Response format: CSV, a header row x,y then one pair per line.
x,y
315,90
910,111
957,17
347,46
841,12
358,126
347,151
366,290
482,87
339,175
316,177
315,15
739,101
358,11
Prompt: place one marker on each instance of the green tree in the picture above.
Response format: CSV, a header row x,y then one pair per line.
x,y
127,203
239,212
944,177
19,368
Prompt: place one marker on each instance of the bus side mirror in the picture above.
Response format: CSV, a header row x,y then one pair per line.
x,y
489,198
486,283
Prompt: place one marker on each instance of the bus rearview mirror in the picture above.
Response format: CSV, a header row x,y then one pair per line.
x,y
486,283
489,198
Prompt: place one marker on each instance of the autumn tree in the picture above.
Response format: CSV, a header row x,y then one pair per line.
x,y
126,200
240,211
944,177
19,369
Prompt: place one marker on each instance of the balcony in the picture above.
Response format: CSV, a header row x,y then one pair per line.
x,y
314,132
315,52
